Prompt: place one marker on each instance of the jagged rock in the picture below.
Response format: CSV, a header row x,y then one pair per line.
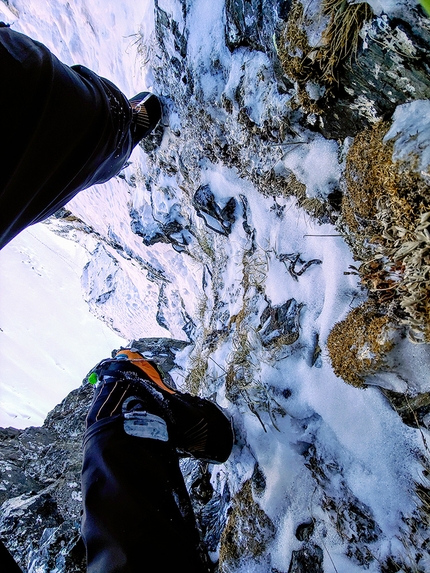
x,y
14,481
316,354
170,35
216,218
163,221
152,141
248,530
390,68
43,491
243,23
308,558
144,226
61,549
258,480
247,223
253,23
214,517
163,350
23,521
280,324
414,410
211,505
91,281
353,519
305,530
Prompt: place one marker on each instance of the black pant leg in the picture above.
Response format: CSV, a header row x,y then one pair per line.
x,y
62,130
137,513
7,562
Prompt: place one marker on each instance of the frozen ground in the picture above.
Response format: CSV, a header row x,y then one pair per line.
x,y
329,453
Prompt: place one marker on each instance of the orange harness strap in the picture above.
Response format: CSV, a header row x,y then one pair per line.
x,y
149,370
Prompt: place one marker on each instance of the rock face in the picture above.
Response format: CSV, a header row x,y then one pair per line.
x,y
40,485
391,68
280,325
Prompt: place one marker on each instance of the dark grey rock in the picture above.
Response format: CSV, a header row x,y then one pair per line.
x,y
23,521
173,227
252,23
210,505
258,480
61,549
43,490
414,410
214,516
354,520
391,68
243,23
219,219
305,530
14,480
280,324
309,558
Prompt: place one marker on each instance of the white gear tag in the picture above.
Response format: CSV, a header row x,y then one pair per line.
x,y
145,425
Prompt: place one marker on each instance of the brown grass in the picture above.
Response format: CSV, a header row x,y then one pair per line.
x,y
322,64
358,344
386,208
341,37
248,530
372,179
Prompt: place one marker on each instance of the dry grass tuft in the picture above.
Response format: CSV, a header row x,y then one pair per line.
x,y
243,382
369,175
248,531
386,207
290,186
372,178
323,63
197,373
341,37
358,344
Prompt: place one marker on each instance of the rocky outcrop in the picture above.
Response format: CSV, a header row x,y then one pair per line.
x,y
280,325
390,68
40,480
219,219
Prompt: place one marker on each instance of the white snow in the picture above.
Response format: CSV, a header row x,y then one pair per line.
x,y
392,7
411,134
49,339
315,163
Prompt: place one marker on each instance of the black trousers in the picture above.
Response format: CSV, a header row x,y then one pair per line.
x,y
7,562
137,513
63,129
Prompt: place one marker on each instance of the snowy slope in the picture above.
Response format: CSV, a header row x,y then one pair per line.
x,y
49,339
